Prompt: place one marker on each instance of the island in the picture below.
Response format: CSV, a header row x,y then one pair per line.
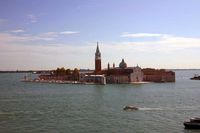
x,y
110,75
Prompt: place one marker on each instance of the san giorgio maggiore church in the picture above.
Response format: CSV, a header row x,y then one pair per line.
x,y
115,75
112,74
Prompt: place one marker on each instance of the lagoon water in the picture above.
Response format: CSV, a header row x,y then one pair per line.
x,y
65,108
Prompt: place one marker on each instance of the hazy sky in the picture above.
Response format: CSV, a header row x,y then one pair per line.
x,y
46,34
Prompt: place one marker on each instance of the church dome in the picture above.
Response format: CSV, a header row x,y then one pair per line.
x,y
122,64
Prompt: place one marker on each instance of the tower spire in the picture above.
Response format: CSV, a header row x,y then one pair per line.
x,y
97,53
97,60
97,50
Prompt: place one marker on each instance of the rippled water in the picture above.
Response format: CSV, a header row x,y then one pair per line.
x,y
57,108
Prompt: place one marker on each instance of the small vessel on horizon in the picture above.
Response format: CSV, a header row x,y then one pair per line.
x,y
130,108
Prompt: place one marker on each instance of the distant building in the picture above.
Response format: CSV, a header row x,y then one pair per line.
x,y
96,76
112,75
123,74
160,75
98,79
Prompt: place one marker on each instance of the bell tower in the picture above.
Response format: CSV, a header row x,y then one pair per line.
x,y
97,60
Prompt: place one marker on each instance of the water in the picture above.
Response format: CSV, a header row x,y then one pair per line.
x,y
65,108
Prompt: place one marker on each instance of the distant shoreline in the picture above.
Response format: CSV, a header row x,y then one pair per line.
x,y
59,82
24,71
32,71
72,82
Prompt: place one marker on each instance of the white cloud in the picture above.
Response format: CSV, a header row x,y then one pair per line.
x,y
165,52
17,31
28,57
69,32
166,44
163,43
32,18
13,38
141,35
46,36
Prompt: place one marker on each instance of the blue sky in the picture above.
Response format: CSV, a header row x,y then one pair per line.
x,y
47,34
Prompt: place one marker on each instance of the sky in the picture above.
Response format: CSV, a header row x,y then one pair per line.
x,y
46,34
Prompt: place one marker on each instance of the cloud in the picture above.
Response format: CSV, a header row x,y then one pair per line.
x,y
32,18
17,31
17,38
141,35
162,43
21,56
21,51
168,43
69,32
56,34
52,35
48,36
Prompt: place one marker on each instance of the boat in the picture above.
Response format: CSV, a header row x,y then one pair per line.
x,y
196,77
130,107
194,123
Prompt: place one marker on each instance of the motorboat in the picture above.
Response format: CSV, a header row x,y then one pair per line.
x,y
196,77
130,107
194,123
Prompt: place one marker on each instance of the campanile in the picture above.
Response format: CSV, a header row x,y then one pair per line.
x,y
97,60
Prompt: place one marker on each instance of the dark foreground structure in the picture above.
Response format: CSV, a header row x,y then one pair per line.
x,y
194,123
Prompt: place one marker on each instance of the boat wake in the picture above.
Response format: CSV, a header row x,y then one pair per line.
x,y
185,108
149,109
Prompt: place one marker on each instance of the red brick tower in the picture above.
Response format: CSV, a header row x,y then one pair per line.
x,y
97,60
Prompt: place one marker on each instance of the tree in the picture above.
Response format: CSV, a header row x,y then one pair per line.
x,y
75,74
57,71
60,71
68,72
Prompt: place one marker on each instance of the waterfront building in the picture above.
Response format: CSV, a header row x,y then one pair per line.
x,y
159,75
137,74
97,79
123,74
119,75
